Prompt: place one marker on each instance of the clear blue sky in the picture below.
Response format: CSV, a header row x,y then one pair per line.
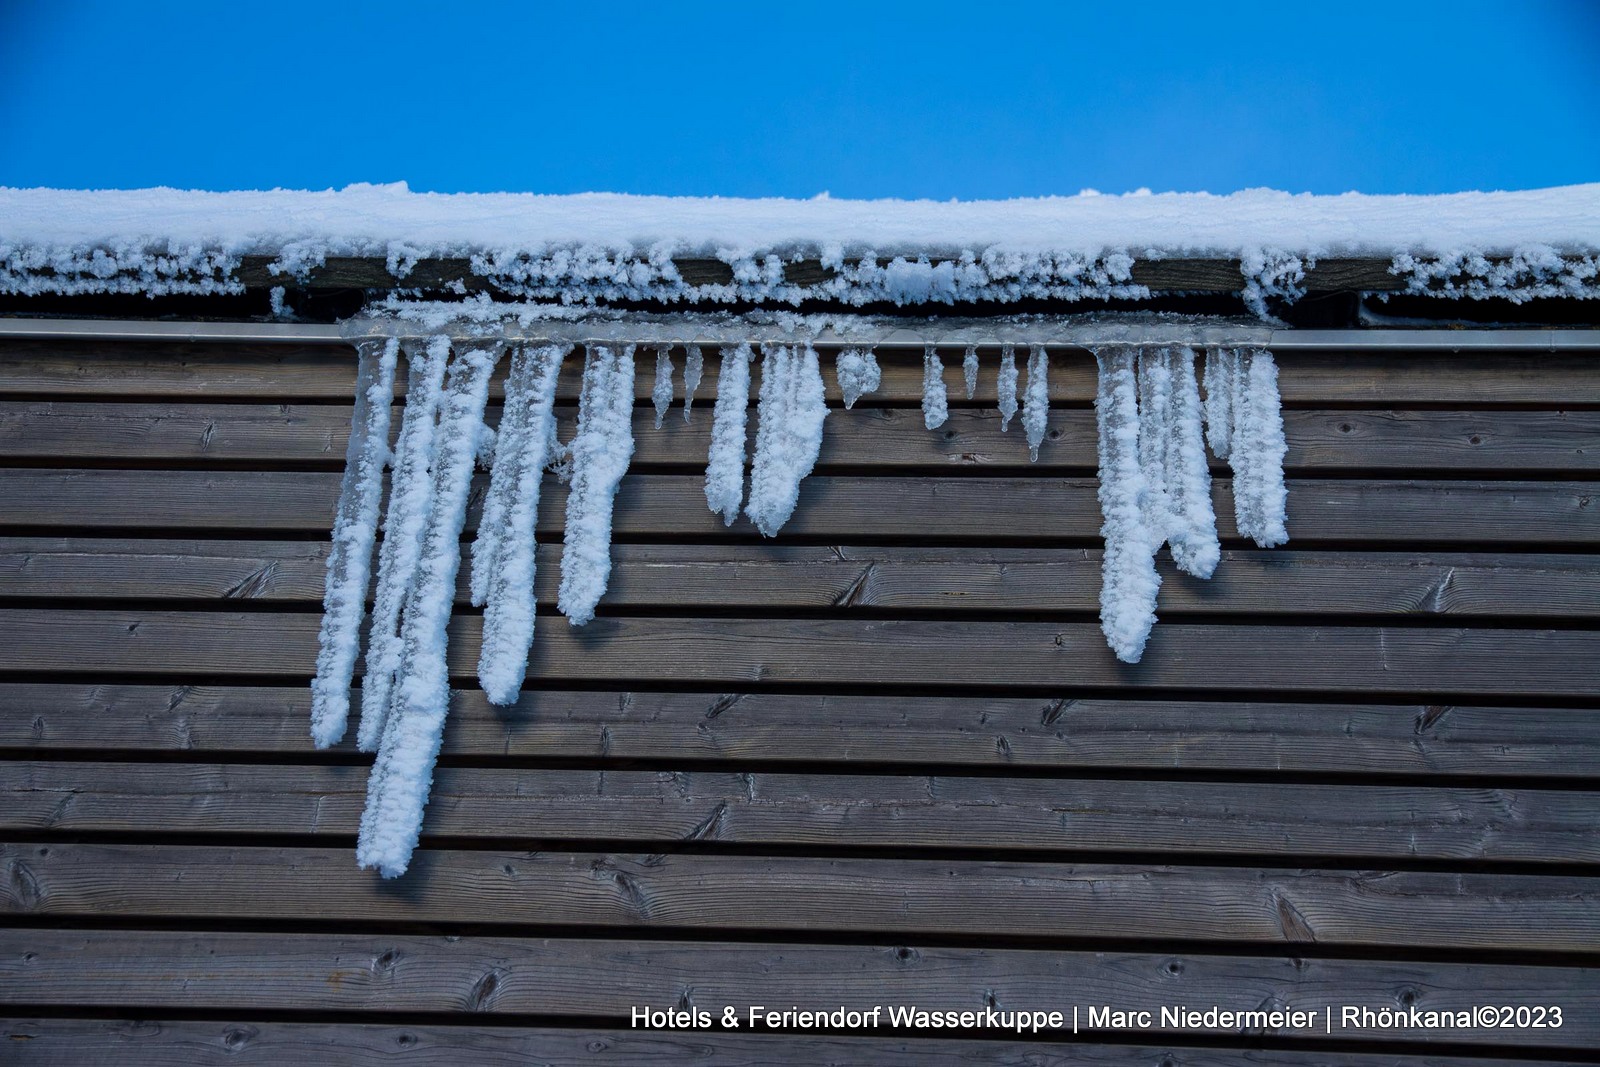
x,y
907,100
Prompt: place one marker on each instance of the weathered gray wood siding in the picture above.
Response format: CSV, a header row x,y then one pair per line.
x,y
884,759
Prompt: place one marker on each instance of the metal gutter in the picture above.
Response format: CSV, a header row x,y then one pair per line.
x,y
286,333
910,335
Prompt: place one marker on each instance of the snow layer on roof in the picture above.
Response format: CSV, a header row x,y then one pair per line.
x,y
592,245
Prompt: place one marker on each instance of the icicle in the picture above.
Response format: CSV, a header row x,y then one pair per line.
x,y
788,434
397,790
662,393
935,401
558,457
483,459
1219,400
600,455
1129,581
858,372
1007,385
1238,363
725,463
1036,400
1258,449
1155,433
410,501
694,366
506,561
969,370
1193,531
491,524
354,531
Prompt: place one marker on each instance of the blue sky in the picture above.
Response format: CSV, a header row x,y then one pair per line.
x,y
905,100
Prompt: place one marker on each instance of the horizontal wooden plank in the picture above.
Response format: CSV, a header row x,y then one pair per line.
x,y
147,1043
854,652
288,372
1065,733
903,579
890,438
996,510
605,979
455,274
1373,909
933,811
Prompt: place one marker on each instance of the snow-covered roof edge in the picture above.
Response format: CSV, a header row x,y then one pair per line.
x,y
595,247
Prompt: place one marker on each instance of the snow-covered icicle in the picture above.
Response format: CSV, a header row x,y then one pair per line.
x,y
558,457
935,400
600,455
1193,533
788,434
661,395
858,372
1238,368
1220,366
969,370
397,790
1129,581
1258,448
1036,399
354,531
1007,385
410,502
1155,433
491,524
694,365
725,463
508,562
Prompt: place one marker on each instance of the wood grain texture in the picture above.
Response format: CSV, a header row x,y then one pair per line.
x,y
1370,909
854,652
143,1043
826,811
773,576
601,978
1066,732
995,510
123,370
887,438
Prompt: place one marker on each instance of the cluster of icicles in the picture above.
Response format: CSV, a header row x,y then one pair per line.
x,y
1155,489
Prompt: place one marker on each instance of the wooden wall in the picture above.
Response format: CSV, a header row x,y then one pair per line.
x,y
883,759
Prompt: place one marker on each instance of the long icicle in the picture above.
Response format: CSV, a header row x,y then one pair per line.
x,y
694,365
788,434
354,532
935,399
1155,434
1193,533
600,455
1219,400
410,502
1129,581
1036,400
725,463
1007,385
491,523
1238,363
969,370
661,395
1259,498
508,618
397,791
